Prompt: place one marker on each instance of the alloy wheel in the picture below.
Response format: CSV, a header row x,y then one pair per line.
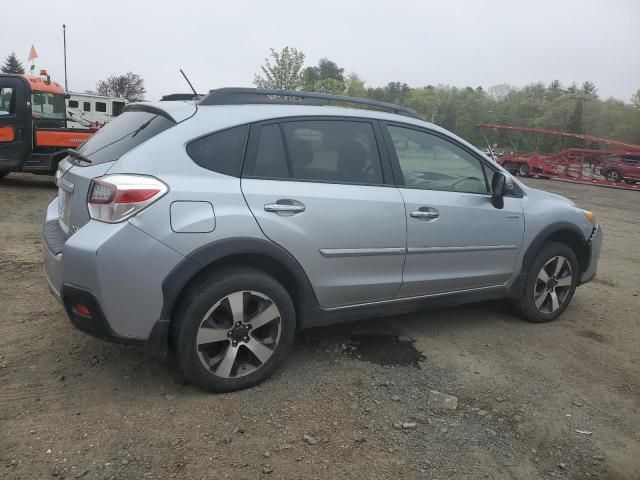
x,y
553,284
238,334
613,176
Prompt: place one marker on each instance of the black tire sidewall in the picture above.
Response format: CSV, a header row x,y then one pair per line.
x,y
527,305
202,298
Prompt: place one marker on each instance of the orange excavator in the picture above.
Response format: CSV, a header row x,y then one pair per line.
x,y
33,124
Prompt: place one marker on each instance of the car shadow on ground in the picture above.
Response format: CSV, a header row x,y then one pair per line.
x,y
383,341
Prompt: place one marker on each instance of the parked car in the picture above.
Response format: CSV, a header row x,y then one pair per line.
x,y
619,167
217,228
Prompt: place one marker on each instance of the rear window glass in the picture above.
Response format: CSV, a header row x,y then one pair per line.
x,y
221,151
122,134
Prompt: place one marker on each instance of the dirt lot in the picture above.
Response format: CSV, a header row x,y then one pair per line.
x,y
74,407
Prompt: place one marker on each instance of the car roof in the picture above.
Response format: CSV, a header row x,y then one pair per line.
x,y
201,120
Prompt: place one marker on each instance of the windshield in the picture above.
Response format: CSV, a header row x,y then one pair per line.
x,y
122,134
48,105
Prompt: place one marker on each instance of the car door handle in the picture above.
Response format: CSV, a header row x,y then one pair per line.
x,y
425,214
284,207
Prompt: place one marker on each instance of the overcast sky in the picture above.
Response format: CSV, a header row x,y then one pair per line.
x,y
223,43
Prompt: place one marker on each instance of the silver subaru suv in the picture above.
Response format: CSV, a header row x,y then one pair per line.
x,y
214,228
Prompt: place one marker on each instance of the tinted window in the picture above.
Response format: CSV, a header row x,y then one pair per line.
x,y
86,106
334,151
117,108
433,163
7,104
73,104
101,107
271,159
123,134
221,151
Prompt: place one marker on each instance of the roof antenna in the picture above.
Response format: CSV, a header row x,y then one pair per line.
x,y
193,89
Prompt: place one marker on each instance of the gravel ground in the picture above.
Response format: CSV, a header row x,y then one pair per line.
x,y
350,402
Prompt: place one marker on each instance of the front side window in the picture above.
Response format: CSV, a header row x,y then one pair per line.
x,y
7,101
333,151
221,151
48,105
430,162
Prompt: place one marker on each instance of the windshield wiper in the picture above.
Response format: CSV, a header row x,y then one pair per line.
x,y
72,153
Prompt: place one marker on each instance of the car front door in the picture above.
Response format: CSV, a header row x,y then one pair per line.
x,y
317,187
456,239
14,132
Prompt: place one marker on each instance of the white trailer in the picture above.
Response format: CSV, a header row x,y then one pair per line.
x,y
92,110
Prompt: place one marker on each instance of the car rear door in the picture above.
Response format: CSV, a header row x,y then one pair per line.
x,y
321,189
457,240
15,115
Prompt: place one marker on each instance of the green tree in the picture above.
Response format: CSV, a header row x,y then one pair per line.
x,y
282,71
13,65
327,77
589,89
355,86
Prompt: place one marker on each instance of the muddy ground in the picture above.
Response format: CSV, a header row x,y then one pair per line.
x,y
72,406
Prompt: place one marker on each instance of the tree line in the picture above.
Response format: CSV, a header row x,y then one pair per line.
x,y
574,108
129,85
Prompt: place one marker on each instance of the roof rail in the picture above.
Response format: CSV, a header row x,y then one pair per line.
x,y
240,96
180,96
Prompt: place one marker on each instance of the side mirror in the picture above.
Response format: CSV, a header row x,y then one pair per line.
x,y
501,185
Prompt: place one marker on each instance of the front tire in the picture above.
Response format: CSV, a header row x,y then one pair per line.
x,y
550,284
523,170
234,330
613,176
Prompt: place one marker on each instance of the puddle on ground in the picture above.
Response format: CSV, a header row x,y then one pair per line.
x,y
384,350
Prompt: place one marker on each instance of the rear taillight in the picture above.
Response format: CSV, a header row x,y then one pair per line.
x,y
114,198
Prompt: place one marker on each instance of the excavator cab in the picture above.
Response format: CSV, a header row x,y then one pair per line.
x,y
33,124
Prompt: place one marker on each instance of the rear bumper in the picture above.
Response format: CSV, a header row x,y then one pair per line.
x,y
594,246
116,270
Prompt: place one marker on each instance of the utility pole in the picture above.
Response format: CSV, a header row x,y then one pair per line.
x,y
64,40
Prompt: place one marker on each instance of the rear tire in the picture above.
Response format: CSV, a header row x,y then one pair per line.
x,y
234,330
550,284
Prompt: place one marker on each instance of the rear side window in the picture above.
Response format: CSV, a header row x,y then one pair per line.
x,y
221,151
86,106
271,159
73,104
101,107
333,151
122,134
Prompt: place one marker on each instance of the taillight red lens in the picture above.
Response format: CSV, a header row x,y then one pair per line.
x,y
135,196
114,198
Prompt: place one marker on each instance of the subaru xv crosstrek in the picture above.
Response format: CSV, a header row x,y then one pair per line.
x,y
216,228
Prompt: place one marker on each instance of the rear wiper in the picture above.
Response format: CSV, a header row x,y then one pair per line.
x,y
72,153
142,127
